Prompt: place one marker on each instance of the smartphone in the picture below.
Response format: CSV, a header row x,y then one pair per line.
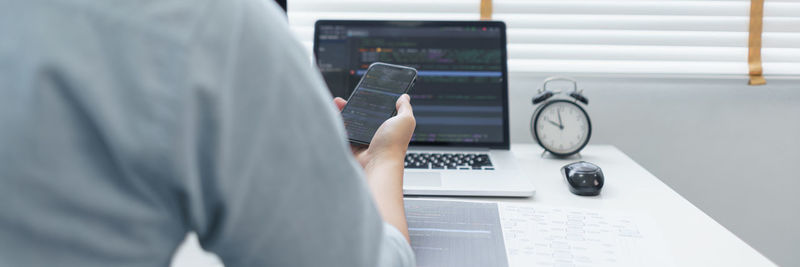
x,y
373,101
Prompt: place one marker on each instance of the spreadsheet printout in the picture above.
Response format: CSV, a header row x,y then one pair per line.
x,y
475,233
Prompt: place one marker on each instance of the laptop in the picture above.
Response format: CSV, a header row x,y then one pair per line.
x,y
461,144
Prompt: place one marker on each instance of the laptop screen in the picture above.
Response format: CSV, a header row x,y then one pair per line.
x,y
460,98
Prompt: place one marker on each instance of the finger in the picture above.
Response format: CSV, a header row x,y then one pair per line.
x,y
404,105
340,103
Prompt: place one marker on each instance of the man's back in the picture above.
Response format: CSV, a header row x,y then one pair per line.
x,y
125,125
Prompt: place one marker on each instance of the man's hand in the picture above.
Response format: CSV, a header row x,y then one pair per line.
x,y
391,140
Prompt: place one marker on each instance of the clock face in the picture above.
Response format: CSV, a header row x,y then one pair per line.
x,y
562,127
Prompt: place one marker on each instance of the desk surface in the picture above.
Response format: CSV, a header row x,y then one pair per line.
x,y
693,238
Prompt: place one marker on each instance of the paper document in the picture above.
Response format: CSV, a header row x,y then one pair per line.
x,y
550,236
472,233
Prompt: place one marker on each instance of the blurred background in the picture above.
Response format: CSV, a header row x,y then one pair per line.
x,y
667,82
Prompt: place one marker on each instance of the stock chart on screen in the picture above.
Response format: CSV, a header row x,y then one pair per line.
x,y
460,89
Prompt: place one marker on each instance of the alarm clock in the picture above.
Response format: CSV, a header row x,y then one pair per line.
x,y
560,124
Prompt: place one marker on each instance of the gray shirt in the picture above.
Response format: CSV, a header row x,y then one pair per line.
x,y
126,124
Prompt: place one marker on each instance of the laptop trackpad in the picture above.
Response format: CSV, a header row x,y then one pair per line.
x,y
430,179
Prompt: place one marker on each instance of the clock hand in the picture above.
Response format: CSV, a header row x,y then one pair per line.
x,y
560,124
554,123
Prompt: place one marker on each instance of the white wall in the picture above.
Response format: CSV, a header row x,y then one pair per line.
x,y
732,150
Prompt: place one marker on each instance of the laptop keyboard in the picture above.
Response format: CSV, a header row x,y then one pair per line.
x,y
448,161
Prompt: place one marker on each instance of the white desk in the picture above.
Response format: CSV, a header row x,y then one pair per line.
x,y
693,238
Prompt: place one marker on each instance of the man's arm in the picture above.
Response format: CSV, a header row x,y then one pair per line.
x,y
383,162
272,180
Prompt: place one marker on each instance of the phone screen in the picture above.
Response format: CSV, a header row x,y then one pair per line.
x,y
373,100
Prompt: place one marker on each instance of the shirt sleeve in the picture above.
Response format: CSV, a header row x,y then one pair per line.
x,y
270,178
395,250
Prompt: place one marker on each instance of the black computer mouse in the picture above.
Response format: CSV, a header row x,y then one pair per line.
x,y
583,178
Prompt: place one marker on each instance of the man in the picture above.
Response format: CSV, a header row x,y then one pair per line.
x,y
126,124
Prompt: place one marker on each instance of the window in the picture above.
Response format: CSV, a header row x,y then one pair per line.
x,y
604,37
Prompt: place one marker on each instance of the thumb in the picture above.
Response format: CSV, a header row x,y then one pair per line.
x,y
403,105
340,103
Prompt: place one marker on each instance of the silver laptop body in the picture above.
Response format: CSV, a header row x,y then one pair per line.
x,y
503,179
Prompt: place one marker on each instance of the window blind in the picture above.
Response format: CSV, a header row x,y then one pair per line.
x,y
641,37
